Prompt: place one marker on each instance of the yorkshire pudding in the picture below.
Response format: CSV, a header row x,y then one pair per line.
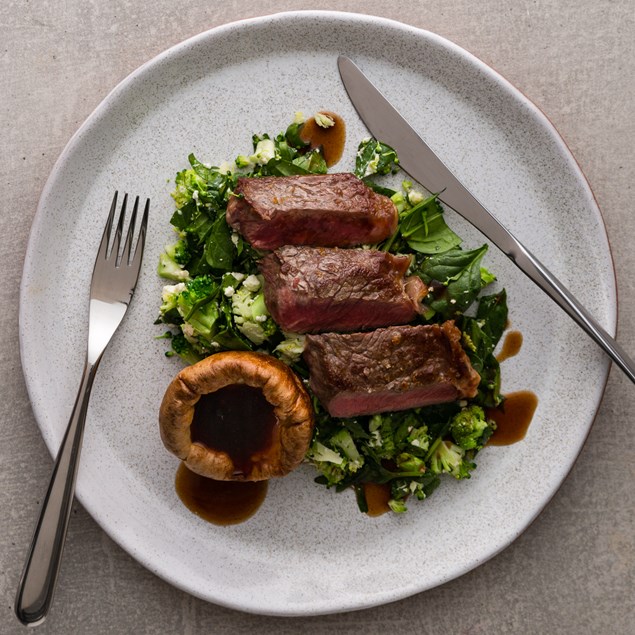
x,y
232,376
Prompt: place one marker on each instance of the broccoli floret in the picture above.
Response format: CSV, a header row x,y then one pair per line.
x,y
399,200
382,436
291,348
419,438
250,311
227,167
450,459
198,291
469,428
184,349
170,295
197,307
242,161
168,312
264,152
417,490
328,462
169,268
410,463
324,120
343,440
188,185
320,453
337,462
397,505
179,252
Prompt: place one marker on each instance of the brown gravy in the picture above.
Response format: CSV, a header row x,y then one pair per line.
x,y
511,345
331,140
512,417
377,497
219,502
236,419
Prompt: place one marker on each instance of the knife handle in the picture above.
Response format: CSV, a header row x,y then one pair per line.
x,y
536,271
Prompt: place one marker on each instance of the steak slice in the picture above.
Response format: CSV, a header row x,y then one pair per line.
x,y
312,289
394,368
328,210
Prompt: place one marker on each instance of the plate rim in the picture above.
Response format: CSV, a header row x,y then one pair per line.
x,y
346,18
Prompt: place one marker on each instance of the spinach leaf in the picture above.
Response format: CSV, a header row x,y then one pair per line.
x,y
374,157
183,216
216,186
455,279
492,311
282,167
313,162
480,336
292,135
219,248
424,229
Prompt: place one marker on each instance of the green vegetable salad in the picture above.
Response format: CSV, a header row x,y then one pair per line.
x,y
214,301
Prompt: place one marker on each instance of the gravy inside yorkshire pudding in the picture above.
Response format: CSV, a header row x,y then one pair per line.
x,y
237,416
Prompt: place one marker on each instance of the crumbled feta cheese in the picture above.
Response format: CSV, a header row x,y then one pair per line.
x,y
373,164
251,283
261,318
235,238
172,289
239,277
452,301
229,291
414,197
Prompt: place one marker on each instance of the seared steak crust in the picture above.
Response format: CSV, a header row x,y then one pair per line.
x,y
393,368
316,209
312,289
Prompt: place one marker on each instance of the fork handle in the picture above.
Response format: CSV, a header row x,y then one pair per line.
x,y
532,267
37,584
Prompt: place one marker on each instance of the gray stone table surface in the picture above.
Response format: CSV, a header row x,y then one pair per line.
x,y
573,570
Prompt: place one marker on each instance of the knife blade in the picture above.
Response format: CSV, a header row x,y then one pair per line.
x,y
418,160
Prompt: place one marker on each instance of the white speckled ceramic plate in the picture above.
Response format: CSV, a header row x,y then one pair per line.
x,y
309,550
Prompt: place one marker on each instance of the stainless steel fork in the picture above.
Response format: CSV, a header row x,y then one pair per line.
x,y
113,283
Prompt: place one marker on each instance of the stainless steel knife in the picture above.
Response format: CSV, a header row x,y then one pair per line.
x,y
422,164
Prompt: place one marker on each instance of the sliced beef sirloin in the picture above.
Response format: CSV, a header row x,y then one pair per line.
x,y
326,210
313,289
389,369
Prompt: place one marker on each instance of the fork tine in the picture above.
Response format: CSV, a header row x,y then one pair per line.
x,y
127,246
119,231
105,239
141,241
